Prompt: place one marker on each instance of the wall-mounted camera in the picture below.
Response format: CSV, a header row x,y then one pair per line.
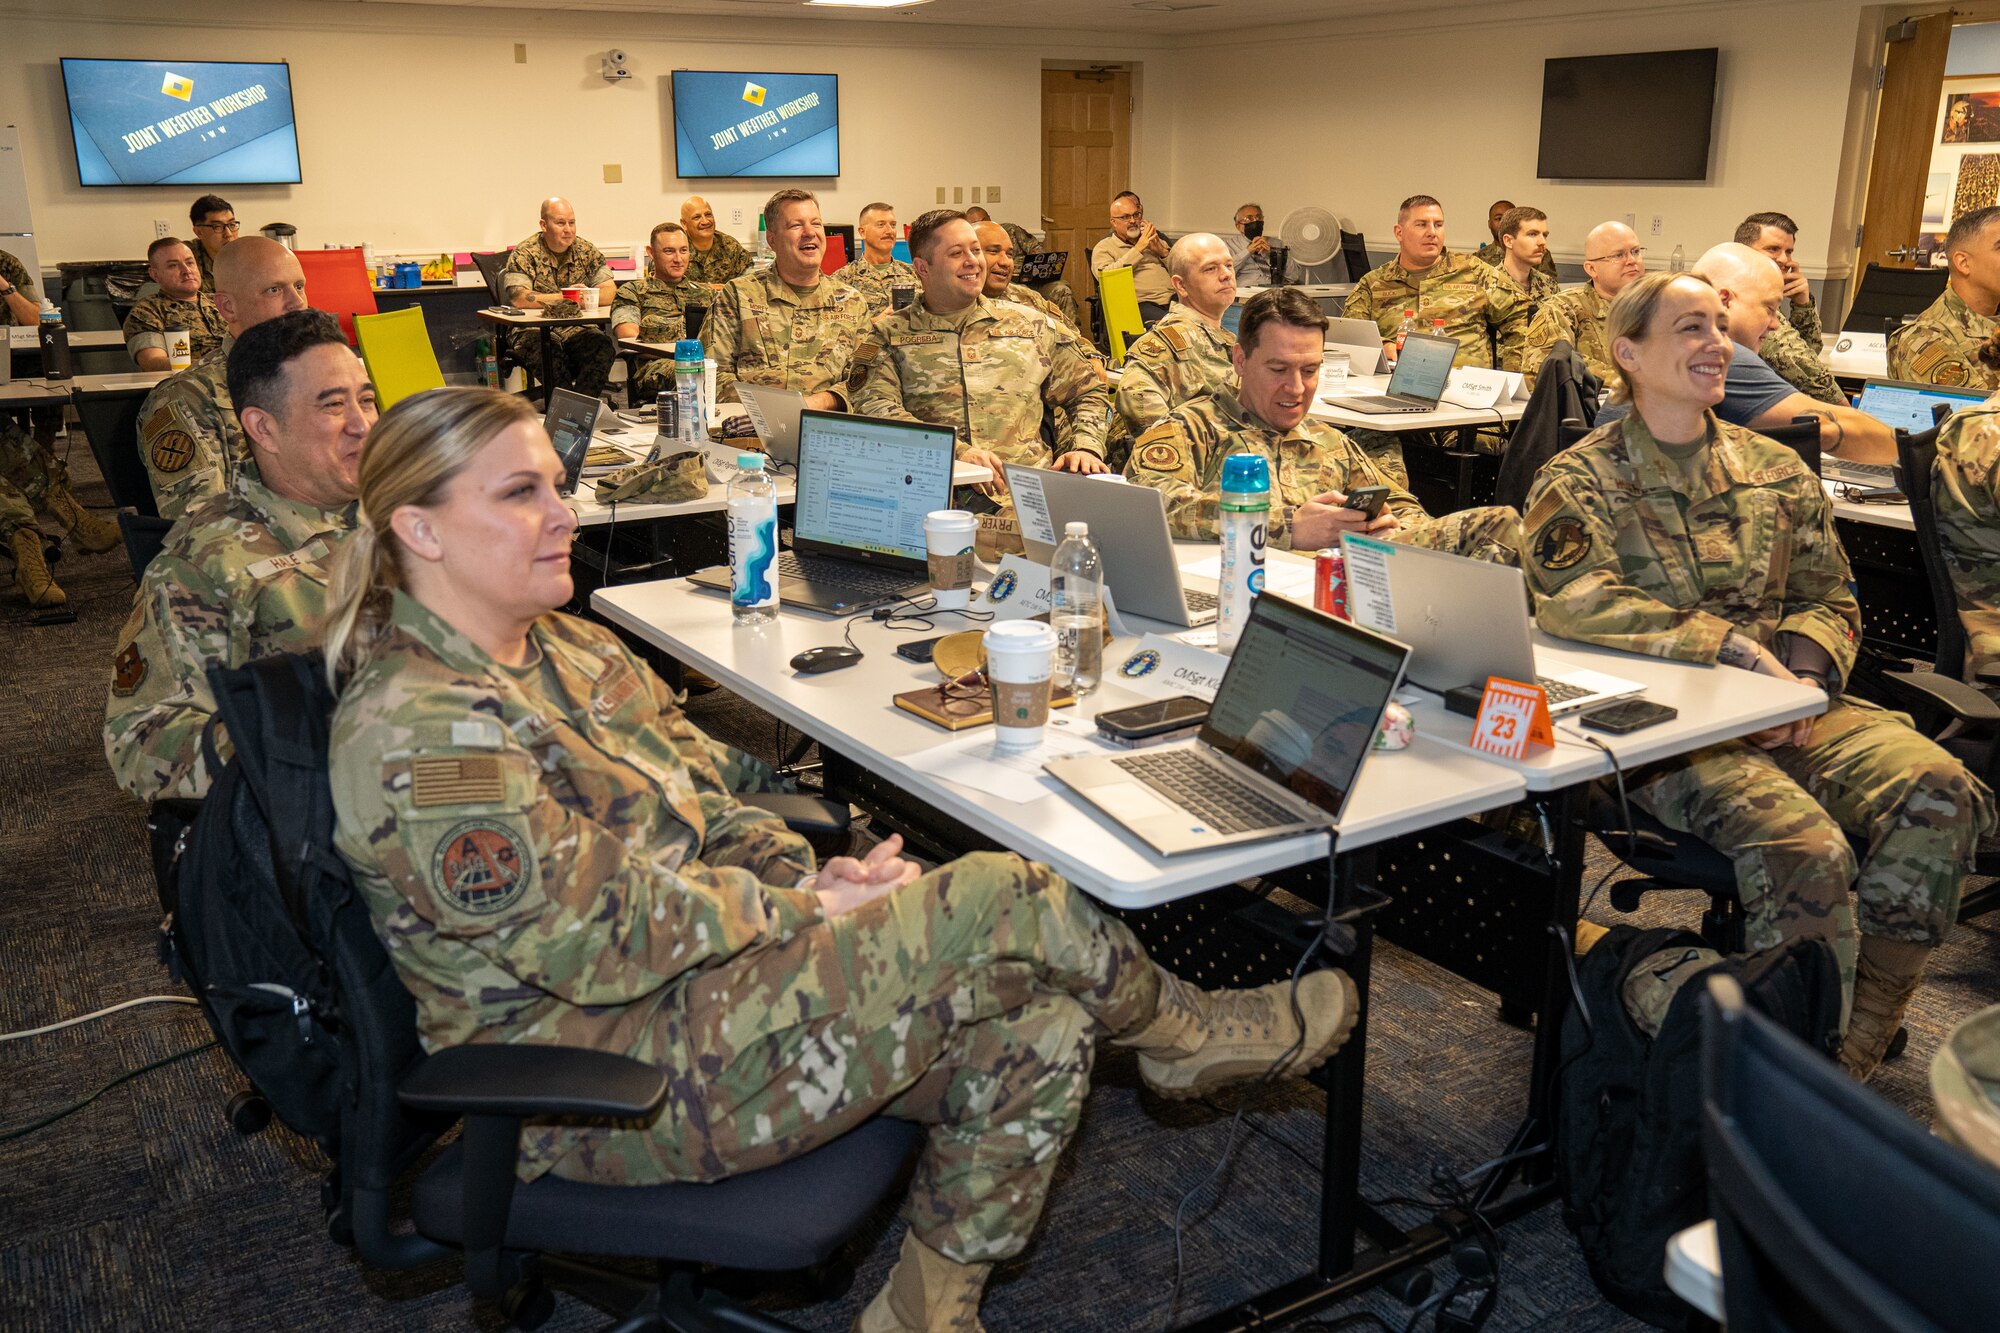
x,y
617,65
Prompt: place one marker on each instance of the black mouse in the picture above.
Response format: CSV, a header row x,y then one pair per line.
x,y
815,660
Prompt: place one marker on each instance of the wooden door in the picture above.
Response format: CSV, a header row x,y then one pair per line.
x,y
1905,125
1086,158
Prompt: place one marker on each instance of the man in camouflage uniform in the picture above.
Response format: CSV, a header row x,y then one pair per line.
x,y
654,309
1313,465
1022,243
1187,353
1494,252
996,244
876,271
189,436
1724,551
790,326
179,304
215,228
1524,240
988,370
718,257
540,267
1612,258
1965,492
1792,347
1941,346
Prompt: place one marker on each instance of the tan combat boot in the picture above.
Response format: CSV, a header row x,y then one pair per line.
x,y
926,1293
1200,1040
91,532
1588,933
31,571
1883,986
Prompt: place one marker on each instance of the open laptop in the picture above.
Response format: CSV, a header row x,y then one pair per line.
x,y
1129,525
775,413
570,421
1042,266
1294,717
1361,339
1466,620
1899,405
865,484
1416,385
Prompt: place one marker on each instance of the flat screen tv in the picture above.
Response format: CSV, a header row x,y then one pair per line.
x,y
748,124
1640,117
181,122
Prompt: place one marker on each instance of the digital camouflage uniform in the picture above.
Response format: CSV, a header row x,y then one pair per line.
x,y
549,856
1181,457
1630,549
659,308
1034,300
189,437
584,352
243,576
1576,317
27,464
874,281
1793,350
1539,289
1024,240
1181,357
725,260
1965,492
1941,346
762,331
206,264
154,315
1495,254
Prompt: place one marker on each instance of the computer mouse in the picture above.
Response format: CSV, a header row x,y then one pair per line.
x,y
813,661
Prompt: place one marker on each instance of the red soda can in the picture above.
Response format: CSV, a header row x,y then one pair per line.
x,y
1330,582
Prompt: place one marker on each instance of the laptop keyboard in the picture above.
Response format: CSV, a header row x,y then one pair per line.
x,y
1859,474
863,579
1198,787
1198,600
1562,691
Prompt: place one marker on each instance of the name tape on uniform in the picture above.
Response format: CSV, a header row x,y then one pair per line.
x,y
1512,716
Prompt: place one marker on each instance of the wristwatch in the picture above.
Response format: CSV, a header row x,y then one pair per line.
x,y
11,289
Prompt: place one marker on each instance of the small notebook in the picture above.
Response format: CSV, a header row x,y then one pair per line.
x,y
967,708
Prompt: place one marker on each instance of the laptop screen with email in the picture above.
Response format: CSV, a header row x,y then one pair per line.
x,y
1423,366
865,483
1907,406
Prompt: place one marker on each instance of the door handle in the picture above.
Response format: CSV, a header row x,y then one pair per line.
x,y
1902,252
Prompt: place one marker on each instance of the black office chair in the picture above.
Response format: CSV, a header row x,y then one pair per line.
x,y
1801,437
1889,296
490,265
144,535
1833,1209
1354,255
111,427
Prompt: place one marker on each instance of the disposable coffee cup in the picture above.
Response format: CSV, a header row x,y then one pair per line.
x,y
573,294
949,535
901,295
1020,666
1333,372
180,349
591,296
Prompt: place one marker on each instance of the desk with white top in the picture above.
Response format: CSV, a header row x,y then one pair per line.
x,y
1445,416
27,338
507,317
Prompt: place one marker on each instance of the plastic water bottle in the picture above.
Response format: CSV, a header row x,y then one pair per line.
x,y
753,542
1076,610
687,388
1405,329
1678,261
1246,514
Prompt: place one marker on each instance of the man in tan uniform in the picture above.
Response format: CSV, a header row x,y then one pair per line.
x,y
1612,258
1940,346
791,326
1136,244
1187,353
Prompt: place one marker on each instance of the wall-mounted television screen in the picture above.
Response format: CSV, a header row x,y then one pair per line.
x,y
181,122
1641,117
743,124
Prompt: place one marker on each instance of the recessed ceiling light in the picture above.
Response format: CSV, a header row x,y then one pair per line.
x,y
869,4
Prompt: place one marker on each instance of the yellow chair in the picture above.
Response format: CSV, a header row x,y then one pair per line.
x,y
396,348
1120,299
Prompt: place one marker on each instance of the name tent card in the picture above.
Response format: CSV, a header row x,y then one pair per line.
x,y
1160,667
1512,716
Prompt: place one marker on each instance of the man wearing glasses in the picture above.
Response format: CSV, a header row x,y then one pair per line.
x,y
1134,243
215,225
1792,348
179,304
1612,258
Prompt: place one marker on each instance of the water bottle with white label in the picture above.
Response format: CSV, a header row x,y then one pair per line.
x,y
1246,516
753,542
1076,610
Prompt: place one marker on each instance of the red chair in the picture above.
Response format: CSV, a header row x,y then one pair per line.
x,y
834,257
338,282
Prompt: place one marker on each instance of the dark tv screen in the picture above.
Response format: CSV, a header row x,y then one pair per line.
x,y
1640,117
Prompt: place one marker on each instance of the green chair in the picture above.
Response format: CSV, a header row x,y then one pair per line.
x,y
396,348
1122,322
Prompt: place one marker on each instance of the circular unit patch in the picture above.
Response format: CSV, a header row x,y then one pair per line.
x,y
1562,544
480,867
173,451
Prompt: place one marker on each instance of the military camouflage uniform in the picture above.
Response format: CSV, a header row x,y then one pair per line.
x,y
1793,350
1034,300
150,319
189,437
1181,456
763,331
1495,254
241,577
1056,293
1024,240
1966,494
1576,317
724,261
1631,549
873,281
584,352
1941,346
1540,288
1965,1089
549,856
659,308
1480,307
207,267
28,466
1181,357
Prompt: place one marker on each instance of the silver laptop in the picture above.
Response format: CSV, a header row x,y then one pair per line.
x,y
1361,339
1466,620
1294,717
775,414
1423,368
1129,525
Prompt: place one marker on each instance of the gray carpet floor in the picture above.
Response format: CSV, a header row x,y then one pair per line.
x,y
146,1211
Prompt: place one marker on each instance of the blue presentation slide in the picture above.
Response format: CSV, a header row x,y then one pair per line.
x,y
167,122
756,124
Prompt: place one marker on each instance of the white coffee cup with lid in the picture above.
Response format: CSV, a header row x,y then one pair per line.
x,y
948,538
1020,666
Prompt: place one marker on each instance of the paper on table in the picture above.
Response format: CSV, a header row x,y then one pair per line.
x,y
1368,601
1031,506
1289,578
974,760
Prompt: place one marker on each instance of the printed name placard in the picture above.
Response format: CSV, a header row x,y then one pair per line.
x,y
1019,590
1512,716
1160,667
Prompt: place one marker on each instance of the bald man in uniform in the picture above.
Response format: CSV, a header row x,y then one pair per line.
x,y
553,258
1612,259
716,257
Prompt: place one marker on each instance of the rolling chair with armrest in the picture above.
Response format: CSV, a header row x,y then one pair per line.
x,y
490,266
1354,255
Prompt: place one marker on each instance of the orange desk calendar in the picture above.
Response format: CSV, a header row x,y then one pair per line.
x,y
1512,716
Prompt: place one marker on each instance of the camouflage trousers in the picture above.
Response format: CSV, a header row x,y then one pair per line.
x,y
968,1001
30,472
583,356
1491,533
1783,817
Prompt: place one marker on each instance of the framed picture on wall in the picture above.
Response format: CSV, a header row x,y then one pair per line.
x,y
1972,118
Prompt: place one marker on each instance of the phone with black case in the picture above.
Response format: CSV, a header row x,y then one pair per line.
x,y
1631,715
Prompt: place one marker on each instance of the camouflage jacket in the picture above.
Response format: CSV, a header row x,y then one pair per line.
x,y
15,274
1577,318
725,260
150,319
242,576
1181,456
189,438
987,372
549,853
1786,351
1540,288
207,267
873,281
1495,254
1804,320
1941,346
532,268
1024,240
657,306
1479,306
1624,551
1966,493
1028,296
762,331
1181,357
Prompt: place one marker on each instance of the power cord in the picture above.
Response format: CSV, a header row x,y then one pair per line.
x,y
96,1014
126,1077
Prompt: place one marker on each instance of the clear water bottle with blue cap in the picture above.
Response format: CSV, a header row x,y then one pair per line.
x,y
1246,516
687,389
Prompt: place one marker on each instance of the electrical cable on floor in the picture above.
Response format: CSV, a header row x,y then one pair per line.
x,y
126,1077
100,1013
